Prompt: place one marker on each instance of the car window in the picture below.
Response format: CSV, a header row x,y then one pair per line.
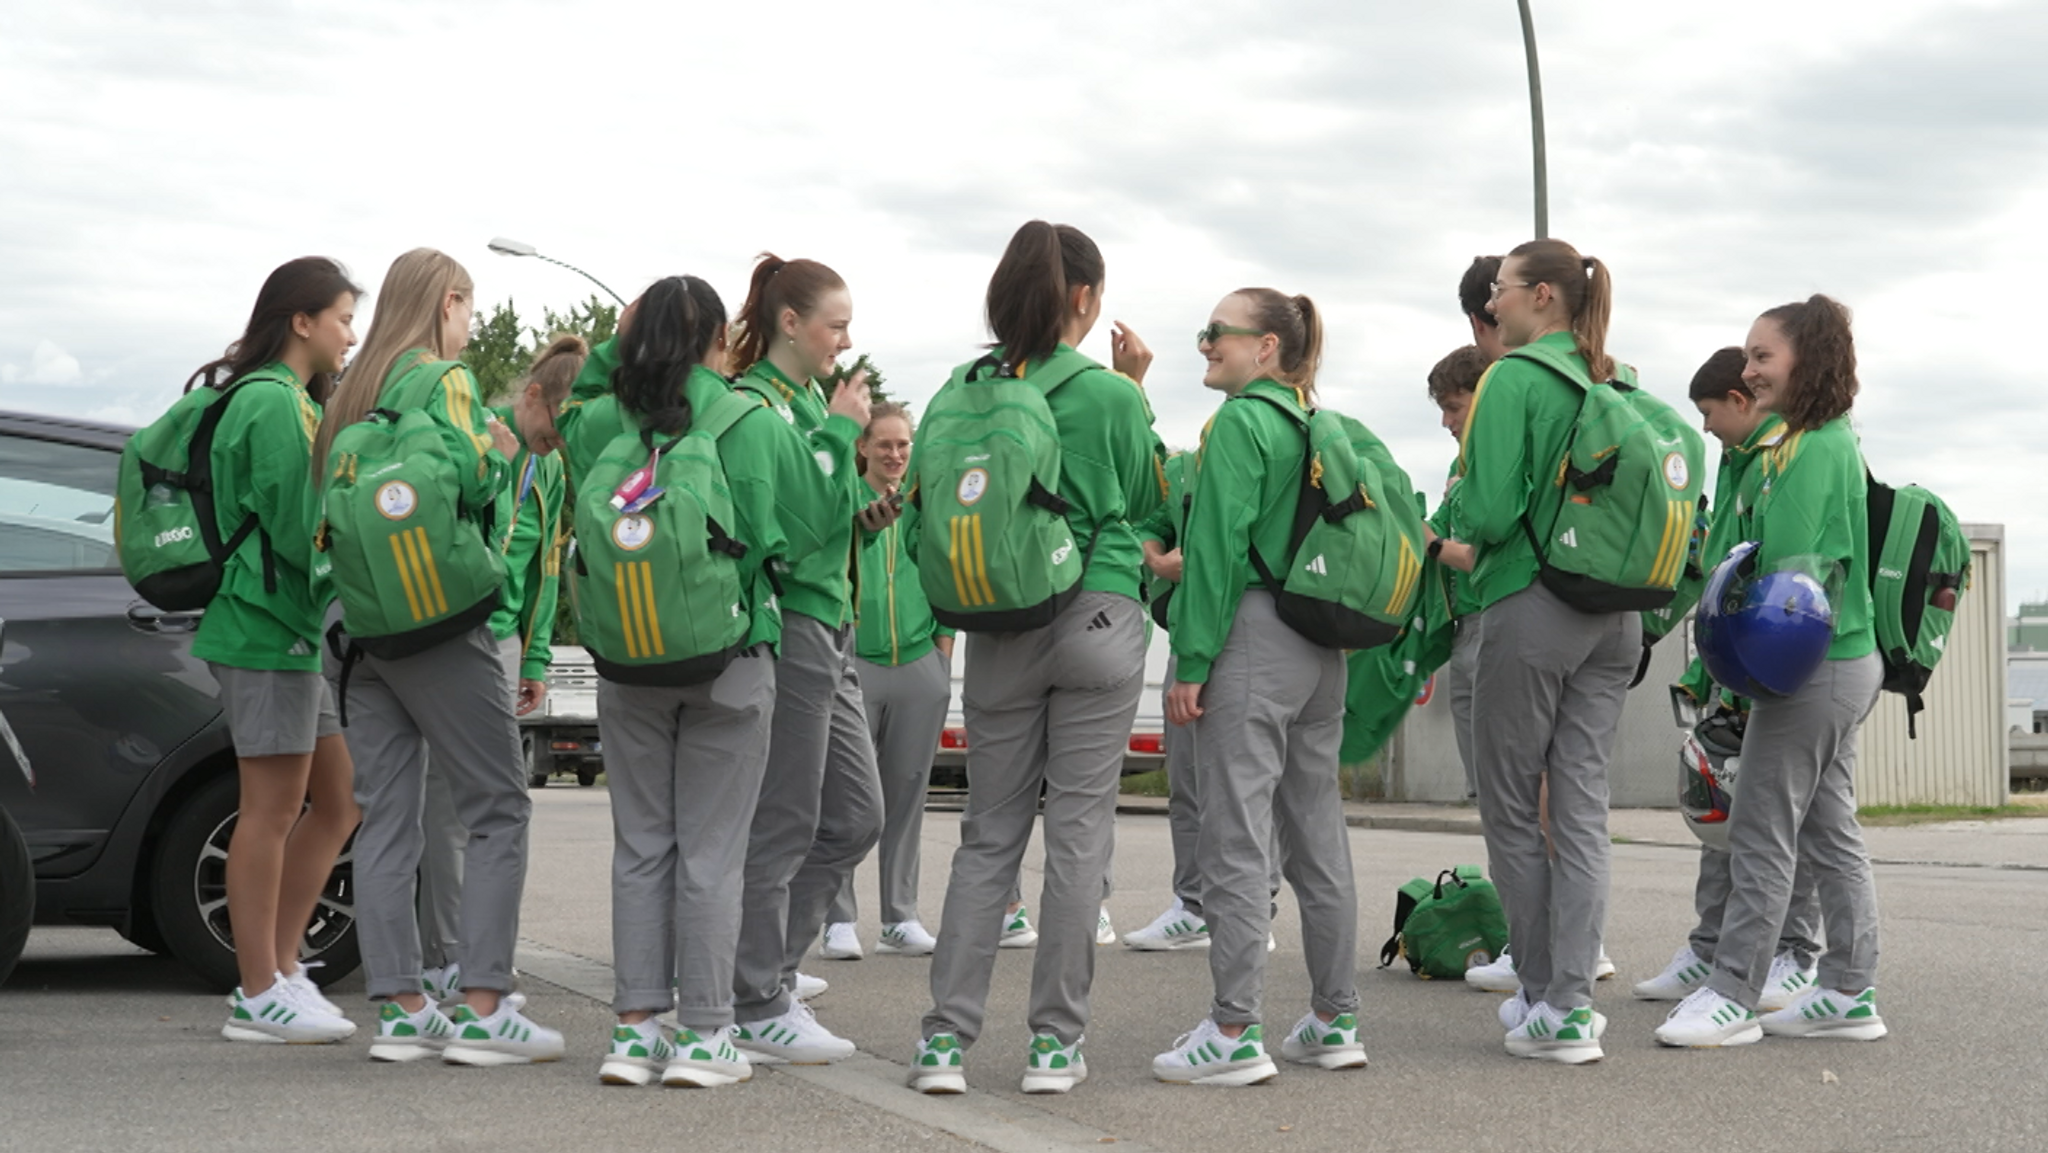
x,y
56,506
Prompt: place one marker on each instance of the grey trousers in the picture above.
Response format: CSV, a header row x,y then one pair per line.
x,y
1801,933
440,899
1796,802
454,698
1051,707
1184,811
1266,752
1459,676
820,812
906,711
1547,700
684,766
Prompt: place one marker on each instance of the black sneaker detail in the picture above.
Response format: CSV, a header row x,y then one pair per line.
x,y
1099,621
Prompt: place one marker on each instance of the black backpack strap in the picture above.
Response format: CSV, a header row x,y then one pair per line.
x,y
1045,498
724,542
350,654
1403,905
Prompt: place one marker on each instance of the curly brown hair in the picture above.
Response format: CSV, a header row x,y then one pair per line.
x,y
1457,374
1822,384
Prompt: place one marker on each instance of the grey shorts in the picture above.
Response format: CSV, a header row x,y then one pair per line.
x,y
275,714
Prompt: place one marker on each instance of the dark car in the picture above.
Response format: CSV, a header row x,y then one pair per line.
x,y
134,796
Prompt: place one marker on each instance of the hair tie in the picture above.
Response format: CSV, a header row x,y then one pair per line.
x,y
1586,263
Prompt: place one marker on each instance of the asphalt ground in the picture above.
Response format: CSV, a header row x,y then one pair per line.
x,y
105,1047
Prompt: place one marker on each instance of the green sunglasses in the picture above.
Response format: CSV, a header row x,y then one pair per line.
x,y
1217,328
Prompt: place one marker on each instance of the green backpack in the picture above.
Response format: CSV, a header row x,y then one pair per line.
x,y
988,456
1447,926
1354,563
659,594
165,529
1920,568
1630,485
412,569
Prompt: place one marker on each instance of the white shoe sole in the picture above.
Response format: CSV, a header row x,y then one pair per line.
x,y
1345,1058
1249,1073
1105,936
1652,991
1019,940
243,1033
1166,944
886,949
689,1076
943,1084
778,1056
805,995
1562,1053
1749,1035
626,1071
1604,970
1490,983
1053,1082
840,954
401,1052
481,1058
1860,1031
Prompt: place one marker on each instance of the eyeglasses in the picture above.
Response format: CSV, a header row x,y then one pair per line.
x,y
1217,329
1500,286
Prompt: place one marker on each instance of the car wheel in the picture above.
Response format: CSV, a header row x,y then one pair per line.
x,y
142,932
586,775
17,894
539,765
190,894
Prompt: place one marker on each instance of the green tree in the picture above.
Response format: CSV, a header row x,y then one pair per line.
x,y
496,354
593,320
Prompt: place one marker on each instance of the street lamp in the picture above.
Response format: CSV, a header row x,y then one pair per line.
x,y
1536,123
504,247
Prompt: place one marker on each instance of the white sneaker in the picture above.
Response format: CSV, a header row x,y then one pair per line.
x,y
1685,973
1707,1020
1205,1056
637,1055
795,1038
940,1066
1170,931
1105,933
1785,983
403,1036
1545,1034
1604,967
706,1061
1272,942
280,1015
842,943
808,986
1496,976
1515,1010
1017,930
506,1037
302,985
907,938
1051,1067
1331,1044
443,985
1823,1012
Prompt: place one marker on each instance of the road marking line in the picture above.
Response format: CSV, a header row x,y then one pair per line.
x,y
996,1122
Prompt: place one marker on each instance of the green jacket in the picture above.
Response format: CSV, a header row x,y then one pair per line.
x,y
263,464
1737,486
1813,503
531,510
1448,522
1111,472
481,471
819,583
1246,481
1167,522
895,625
1515,437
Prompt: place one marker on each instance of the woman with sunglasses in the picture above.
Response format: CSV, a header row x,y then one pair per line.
x,y
1267,706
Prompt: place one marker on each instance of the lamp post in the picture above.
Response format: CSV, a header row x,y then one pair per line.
x,y
1536,123
504,247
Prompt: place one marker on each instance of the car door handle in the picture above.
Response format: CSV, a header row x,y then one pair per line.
x,y
151,619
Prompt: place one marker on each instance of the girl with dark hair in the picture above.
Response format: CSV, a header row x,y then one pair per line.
x,y
1797,804
821,801
261,636
1267,706
1729,412
1050,708
453,696
905,661
1550,684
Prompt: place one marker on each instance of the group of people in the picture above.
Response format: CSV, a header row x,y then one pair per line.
x,y
743,798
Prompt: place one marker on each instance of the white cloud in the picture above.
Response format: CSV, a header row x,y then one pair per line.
x,y
48,364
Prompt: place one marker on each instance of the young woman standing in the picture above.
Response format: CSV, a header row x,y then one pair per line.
x,y
821,801
905,660
261,637
1267,705
1796,802
1051,707
454,696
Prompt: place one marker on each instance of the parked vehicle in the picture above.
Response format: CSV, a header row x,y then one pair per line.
x,y
135,792
561,735
1145,753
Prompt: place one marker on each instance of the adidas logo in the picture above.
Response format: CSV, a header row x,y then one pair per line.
x,y
1570,539
299,649
1318,567
1098,621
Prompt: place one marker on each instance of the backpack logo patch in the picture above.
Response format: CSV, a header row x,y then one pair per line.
x,y
1570,539
1318,566
397,500
1676,472
172,536
1060,554
787,414
825,462
973,486
632,532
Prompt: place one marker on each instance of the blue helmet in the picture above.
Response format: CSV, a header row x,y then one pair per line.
x,y
1762,634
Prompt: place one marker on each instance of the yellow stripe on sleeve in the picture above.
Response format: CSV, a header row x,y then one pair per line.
x,y
460,391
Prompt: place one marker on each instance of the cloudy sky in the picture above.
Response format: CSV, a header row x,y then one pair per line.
x,y
156,161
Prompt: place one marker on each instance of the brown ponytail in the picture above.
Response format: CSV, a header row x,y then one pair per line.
x,y
776,284
1028,294
1582,282
1298,324
1822,384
